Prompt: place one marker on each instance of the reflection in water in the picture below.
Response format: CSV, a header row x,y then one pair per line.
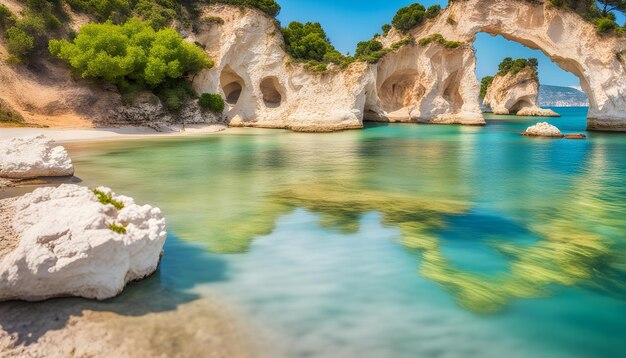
x,y
481,215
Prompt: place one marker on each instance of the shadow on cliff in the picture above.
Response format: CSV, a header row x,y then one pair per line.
x,y
185,267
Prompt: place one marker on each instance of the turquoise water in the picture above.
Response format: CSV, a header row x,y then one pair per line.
x,y
393,241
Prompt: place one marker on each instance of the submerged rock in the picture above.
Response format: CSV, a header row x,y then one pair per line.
x,y
575,136
32,157
71,244
543,129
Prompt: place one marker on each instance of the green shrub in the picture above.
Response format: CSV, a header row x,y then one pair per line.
x,y
106,199
270,7
7,18
438,38
19,43
114,10
174,93
508,65
309,43
484,85
118,229
386,28
132,52
405,41
433,11
214,20
408,17
365,48
212,101
605,25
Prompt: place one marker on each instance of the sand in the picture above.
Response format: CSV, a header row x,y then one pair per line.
x,y
101,134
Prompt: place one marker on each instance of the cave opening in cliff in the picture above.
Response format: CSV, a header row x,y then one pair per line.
x,y
272,92
232,84
558,86
397,90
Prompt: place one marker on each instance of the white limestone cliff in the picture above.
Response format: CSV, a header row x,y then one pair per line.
x,y
516,93
264,87
32,157
67,245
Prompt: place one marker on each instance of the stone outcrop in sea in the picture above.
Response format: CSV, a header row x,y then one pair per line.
x,y
543,129
72,241
516,93
32,157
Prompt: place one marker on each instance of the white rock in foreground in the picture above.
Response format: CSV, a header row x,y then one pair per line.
x,y
32,157
68,248
543,129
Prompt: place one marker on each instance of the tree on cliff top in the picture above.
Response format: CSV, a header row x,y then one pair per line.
x,y
608,6
270,7
508,65
408,17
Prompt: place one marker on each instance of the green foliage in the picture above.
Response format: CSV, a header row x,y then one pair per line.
x,y
365,48
405,41
214,20
106,199
508,65
408,17
600,12
8,114
438,38
114,10
118,229
6,17
212,101
484,85
306,41
130,52
386,28
19,43
270,7
433,11
174,93
157,14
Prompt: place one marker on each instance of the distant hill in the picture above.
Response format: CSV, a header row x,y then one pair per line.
x,y
556,96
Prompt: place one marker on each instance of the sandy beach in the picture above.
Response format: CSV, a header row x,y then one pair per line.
x,y
102,134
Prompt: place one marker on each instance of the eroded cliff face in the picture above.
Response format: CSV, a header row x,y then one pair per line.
x,y
263,87
516,94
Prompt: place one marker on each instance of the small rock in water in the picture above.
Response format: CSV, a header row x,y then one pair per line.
x,y
543,129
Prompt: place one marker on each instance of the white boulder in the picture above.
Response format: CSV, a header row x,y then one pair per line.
x,y
71,244
543,129
32,157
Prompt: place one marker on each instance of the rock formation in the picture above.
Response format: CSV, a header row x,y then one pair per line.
x,y
72,244
543,129
516,93
264,87
32,157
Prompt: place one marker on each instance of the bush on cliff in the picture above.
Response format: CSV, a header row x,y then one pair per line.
x,y
508,65
308,43
269,7
212,101
484,85
6,17
408,17
132,52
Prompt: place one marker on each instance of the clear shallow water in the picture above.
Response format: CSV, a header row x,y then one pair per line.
x,y
397,240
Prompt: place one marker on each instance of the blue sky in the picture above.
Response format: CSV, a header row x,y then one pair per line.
x,y
349,21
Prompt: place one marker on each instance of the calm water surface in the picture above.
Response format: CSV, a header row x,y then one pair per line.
x,y
397,240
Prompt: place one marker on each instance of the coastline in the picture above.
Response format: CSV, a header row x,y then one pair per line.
x,y
104,134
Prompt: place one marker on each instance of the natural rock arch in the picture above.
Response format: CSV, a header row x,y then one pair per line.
x,y
566,38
